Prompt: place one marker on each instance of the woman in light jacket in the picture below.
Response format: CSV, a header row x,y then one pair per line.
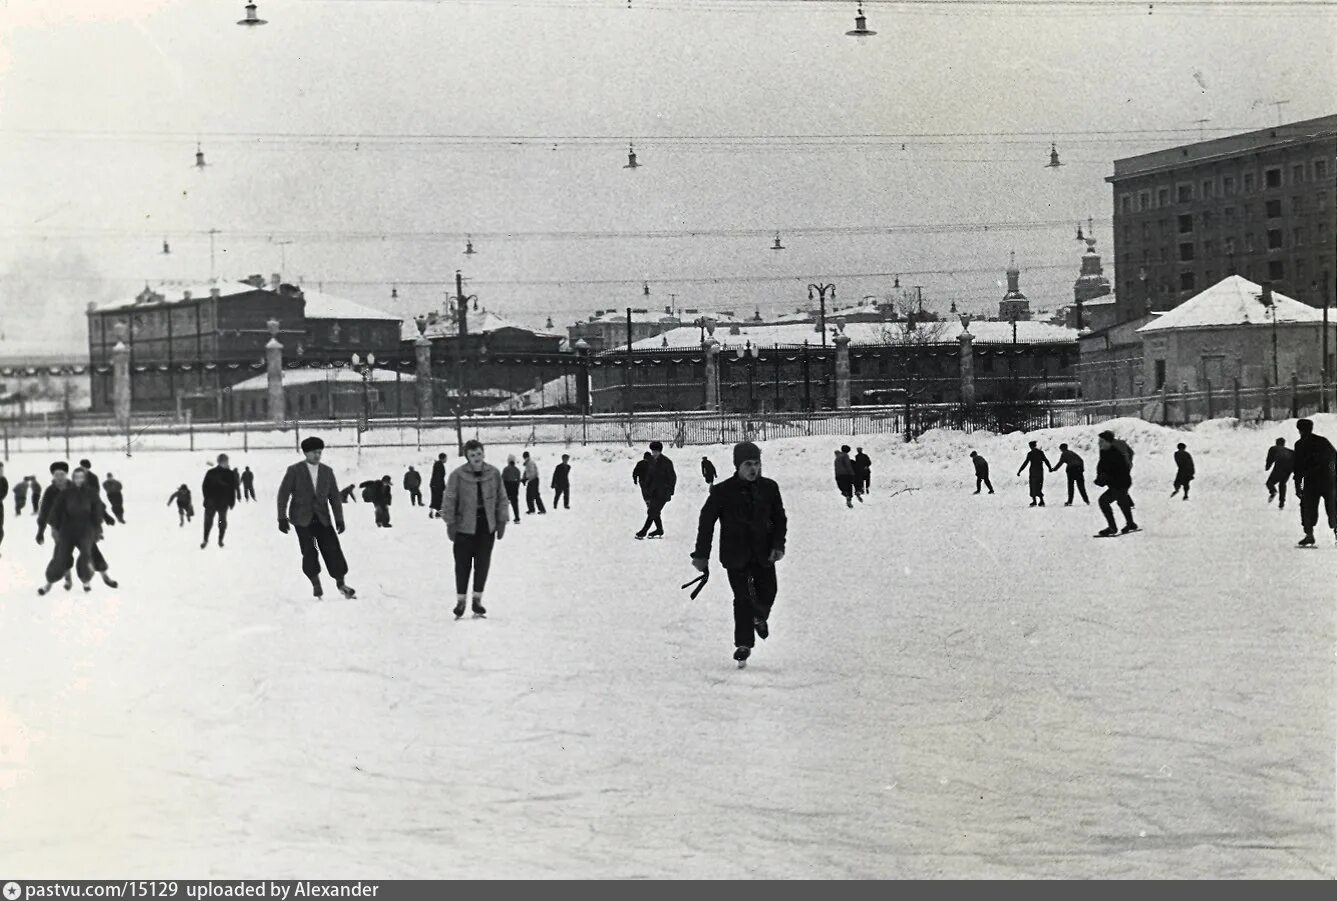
x,y
474,508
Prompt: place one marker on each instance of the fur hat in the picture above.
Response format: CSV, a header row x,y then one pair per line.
x,y
312,444
60,466
1107,435
744,451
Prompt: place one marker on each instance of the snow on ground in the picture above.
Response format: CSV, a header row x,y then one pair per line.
x,y
954,685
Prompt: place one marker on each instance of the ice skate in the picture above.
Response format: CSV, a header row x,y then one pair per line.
x,y
655,535
741,655
317,591
459,608
763,629
88,586
109,581
1107,532
479,611
69,582
1307,541
345,590
41,592
1131,527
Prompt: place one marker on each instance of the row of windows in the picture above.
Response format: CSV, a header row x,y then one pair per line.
x,y
1272,270
1206,189
1206,221
1271,239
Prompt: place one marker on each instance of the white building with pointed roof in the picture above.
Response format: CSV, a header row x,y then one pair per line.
x,y
1233,330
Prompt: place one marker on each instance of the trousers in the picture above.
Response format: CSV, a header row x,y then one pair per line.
x,y
62,558
534,496
1276,484
561,493
473,552
1309,501
513,495
318,540
754,589
209,514
653,509
1116,496
1077,480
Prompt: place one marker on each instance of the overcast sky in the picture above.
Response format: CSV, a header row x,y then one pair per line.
x,y
583,67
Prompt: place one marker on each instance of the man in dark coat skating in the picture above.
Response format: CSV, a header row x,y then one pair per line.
x,y
1315,479
1184,470
1037,462
413,485
115,499
21,494
437,485
218,494
248,484
561,483
1115,475
658,482
753,525
1280,463
308,499
863,470
708,471
1075,471
47,515
981,472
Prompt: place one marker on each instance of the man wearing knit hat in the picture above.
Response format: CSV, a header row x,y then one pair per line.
x,y
309,499
752,540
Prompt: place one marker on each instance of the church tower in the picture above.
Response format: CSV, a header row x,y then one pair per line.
x,y
1014,304
1092,283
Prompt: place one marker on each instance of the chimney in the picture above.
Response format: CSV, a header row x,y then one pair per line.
x,y
215,292
185,295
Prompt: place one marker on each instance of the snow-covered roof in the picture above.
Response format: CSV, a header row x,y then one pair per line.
x,y
479,323
327,306
1028,332
1232,301
311,376
175,292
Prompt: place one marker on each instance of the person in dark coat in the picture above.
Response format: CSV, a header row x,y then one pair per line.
x,y
561,483
1280,464
1114,474
349,494
218,494
115,499
845,475
708,471
35,494
981,472
1315,479
1184,470
248,484
4,492
96,484
185,510
753,526
384,496
639,470
658,482
1075,471
236,483
308,499
437,485
373,493
863,470
21,495
413,485
76,515
1037,462
474,508
510,480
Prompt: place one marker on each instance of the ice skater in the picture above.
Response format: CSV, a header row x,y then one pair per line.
x,y
349,495
308,499
4,492
658,483
1184,470
863,470
753,524
115,498
374,492
185,510
844,469
1114,473
561,483
511,479
413,485
218,494
1280,464
474,508
21,495
1075,471
437,485
384,496
708,471
35,494
76,514
1037,462
639,470
248,484
1315,479
533,490
981,472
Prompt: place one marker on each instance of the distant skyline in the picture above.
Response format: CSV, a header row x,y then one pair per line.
x,y
156,73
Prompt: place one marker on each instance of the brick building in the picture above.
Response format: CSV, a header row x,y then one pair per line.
x,y
1259,204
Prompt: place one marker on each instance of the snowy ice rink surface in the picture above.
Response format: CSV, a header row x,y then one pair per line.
x,y
954,685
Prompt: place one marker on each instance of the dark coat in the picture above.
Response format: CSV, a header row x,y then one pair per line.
x,y
412,480
1112,470
374,491
4,491
561,475
981,466
659,480
300,502
438,479
1037,461
752,522
47,503
862,463
1184,462
21,492
219,489
182,498
247,478
1072,460
113,487
1281,457
77,513
1314,461
638,470
708,470
511,473
844,466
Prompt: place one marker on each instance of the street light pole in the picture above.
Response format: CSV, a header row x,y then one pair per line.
x,y
821,299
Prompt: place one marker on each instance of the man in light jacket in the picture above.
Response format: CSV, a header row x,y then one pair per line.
x,y
309,499
474,508
533,490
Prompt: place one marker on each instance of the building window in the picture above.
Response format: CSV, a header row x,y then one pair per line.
x,y
1228,185
1230,214
1126,203
1322,231
1274,241
1127,232
1297,173
1248,182
1146,231
1186,224
1184,193
1160,375
1297,204
1206,220
1276,270
1160,254
1248,243
1144,200
1273,209
1186,252
1272,177
1207,189
1162,197
1298,236
1164,227
1186,281
1301,268
1208,249
1320,169
1322,200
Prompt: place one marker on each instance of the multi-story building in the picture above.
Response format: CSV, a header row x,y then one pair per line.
x,y
1259,204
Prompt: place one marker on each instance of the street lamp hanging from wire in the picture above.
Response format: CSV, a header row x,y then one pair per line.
x,y
1054,161
777,245
860,29
631,157
252,19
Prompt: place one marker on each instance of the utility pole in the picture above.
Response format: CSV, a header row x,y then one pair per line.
x,y
1323,370
463,307
212,233
626,381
